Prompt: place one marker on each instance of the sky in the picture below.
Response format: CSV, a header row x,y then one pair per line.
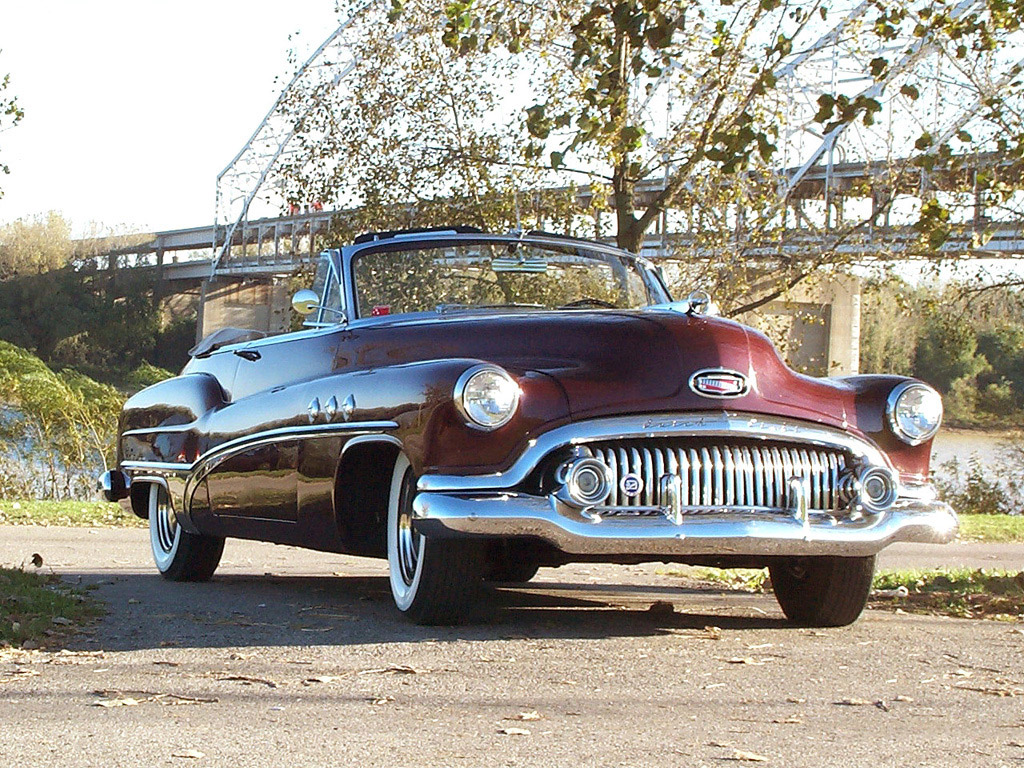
x,y
133,108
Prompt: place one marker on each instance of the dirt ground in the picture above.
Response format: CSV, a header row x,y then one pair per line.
x,y
297,658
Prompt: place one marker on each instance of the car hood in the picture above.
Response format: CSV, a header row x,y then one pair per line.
x,y
618,362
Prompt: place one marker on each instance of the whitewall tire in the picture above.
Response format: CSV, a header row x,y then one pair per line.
x,y
433,581
178,554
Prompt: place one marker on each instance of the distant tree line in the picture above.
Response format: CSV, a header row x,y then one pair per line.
x,y
965,340
76,314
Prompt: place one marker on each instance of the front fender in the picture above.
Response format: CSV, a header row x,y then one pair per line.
x,y
870,395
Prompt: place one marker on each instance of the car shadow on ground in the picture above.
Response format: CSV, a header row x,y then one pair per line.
x,y
146,611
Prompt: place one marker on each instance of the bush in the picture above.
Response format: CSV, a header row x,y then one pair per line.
x,y
145,375
58,428
977,489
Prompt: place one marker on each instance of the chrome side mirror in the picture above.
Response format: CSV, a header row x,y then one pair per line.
x,y
305,302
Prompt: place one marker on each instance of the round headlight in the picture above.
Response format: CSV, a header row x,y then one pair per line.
x,y
915,412
487,396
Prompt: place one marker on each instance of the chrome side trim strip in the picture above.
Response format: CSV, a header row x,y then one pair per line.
x,y
159,430
224,451
256,439
157,466
704,424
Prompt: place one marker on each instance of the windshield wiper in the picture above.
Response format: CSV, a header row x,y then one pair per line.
x,y
442,309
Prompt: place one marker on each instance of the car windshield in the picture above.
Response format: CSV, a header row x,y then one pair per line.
x,y
476,275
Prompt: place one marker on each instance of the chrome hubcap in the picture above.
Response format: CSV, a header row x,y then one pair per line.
x,y
408,539
166,522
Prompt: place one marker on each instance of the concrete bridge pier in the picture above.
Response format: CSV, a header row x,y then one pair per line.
x,y
263,304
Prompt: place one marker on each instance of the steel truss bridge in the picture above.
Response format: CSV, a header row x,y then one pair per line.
x,y
279,245
828,172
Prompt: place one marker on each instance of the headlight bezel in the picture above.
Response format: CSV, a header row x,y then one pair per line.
x,y
466,409
893,403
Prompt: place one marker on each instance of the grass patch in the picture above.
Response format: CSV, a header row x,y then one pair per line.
x,y
953,592
742,579
961,592
91,514
992,528
38,609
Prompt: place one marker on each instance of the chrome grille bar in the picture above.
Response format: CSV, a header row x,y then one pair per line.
x,y
726,476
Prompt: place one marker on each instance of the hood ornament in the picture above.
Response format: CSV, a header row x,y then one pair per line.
x,y
719,383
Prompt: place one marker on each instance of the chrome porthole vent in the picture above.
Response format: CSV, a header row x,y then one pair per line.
x,y
877,489
585,482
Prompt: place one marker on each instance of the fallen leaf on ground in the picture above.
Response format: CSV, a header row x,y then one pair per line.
x,y
247,680
526,716
515,731
788,721
18,674
400,669
750,757
115,698
37,560
380,700
321,679
194,754
108,703
1001,692
174,698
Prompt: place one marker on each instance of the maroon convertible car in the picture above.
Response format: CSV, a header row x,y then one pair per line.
x,y
473,406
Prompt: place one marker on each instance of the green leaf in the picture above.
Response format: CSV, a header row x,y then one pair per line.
x,y
826,106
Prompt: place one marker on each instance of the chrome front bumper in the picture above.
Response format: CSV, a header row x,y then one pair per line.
x,y
495,504
513,514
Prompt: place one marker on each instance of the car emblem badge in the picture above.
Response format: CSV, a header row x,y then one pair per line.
x,y
719,383
631,485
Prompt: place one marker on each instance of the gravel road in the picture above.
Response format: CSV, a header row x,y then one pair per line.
x,y
296,658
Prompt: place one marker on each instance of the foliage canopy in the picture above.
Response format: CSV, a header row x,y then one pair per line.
x,y
626,118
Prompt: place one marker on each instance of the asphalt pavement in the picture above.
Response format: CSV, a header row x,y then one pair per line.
x,y
291,657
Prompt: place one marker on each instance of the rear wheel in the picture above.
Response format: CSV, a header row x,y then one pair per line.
x,y
823,591
433,581
178,554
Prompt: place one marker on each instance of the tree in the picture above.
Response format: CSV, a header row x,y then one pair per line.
x,y
664,112
34,245
10,115
59,429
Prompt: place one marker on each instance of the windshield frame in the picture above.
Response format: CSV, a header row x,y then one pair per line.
x,y
656,290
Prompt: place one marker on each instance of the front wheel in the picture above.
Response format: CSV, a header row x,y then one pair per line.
x,y
433,581
178,554
823,591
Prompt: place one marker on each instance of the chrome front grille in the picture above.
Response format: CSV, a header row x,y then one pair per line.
x,y
719,475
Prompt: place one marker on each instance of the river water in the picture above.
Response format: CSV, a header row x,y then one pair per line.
x,y
961,444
